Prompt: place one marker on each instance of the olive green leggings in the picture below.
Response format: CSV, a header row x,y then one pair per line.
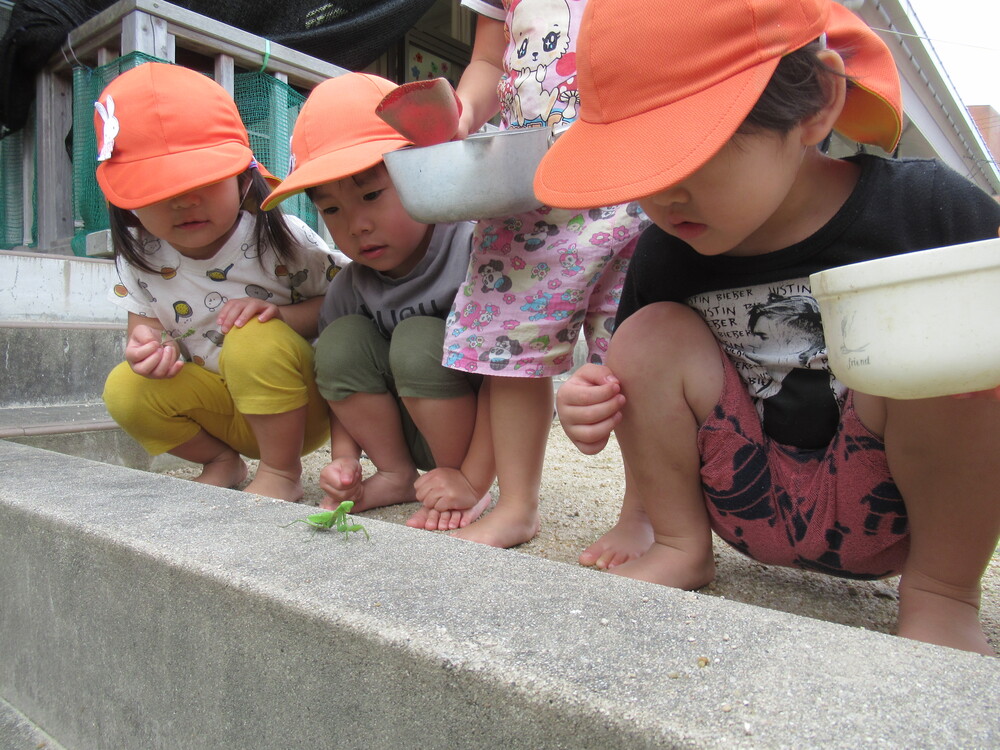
x,y
353,357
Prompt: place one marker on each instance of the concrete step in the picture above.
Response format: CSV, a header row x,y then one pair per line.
x,y
57,419
144,611
48,287
57,363
84,430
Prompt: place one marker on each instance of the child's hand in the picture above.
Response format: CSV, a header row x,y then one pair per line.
x,y
446,489
590,405
464,124
237,312
341,480
148,355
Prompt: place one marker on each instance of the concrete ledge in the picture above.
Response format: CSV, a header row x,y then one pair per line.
x,y
109,446
17,733
82,430
145,611
26,421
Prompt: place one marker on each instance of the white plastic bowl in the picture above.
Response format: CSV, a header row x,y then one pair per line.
x,y
487,175
917,325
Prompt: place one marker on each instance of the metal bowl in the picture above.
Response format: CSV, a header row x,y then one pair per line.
x,y
484,176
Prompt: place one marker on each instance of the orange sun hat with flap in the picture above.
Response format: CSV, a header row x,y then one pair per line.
x,y
338,134
692,74
164,130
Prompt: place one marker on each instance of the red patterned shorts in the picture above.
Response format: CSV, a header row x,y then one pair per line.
x,y
835,510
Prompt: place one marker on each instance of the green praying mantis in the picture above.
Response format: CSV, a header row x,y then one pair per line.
x,y
329,519
165,336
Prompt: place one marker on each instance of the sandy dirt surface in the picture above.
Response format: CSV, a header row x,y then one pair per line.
x,y
580,501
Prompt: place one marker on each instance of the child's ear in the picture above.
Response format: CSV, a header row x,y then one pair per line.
x,y
817,126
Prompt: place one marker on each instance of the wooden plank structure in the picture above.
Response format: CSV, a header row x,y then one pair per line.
x,y
155,28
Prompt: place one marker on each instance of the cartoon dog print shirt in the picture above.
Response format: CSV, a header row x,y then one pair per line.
x,y
186,295
539,82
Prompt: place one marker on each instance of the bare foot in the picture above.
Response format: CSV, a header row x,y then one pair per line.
x,y
505,526
627,540
934,618
271,482
227,470
670,566
447,520
383,488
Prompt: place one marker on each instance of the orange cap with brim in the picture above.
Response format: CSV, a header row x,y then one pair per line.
x,y
164,130
695,70
337,134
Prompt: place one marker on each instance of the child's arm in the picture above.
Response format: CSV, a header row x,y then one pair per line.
x,y
148,352
590,405
994,393
341,478
478,86
459,489
301,317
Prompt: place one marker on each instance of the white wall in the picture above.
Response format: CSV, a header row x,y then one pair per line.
x,y
42,288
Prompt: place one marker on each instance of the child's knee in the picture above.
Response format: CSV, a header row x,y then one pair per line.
x,y
415,353
347,345
661,330
351,357
255,343
120,392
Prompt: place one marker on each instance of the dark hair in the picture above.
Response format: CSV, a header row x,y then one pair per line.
x,y
798,311
798,89
270,229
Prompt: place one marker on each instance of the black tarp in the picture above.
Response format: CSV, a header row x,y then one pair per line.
x,y
348,33
36,31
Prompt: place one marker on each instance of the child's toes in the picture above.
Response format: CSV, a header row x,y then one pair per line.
x,y
433,522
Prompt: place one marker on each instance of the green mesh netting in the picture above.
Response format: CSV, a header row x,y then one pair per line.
x,y
269,108
90,211
12,192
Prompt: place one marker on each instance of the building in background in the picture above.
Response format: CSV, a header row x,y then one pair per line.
x,y
987,122
937,123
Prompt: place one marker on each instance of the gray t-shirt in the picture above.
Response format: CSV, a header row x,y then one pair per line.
x,y
429,289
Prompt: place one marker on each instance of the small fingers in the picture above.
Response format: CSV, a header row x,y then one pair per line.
x,y
595,413
591,438
425,488
268,313
175,368
589,395
160,364
592,448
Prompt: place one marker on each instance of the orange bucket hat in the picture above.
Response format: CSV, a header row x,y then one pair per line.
x,y
163,130
696,69
338,134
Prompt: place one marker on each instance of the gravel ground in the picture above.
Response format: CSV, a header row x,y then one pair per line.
x,y
580,501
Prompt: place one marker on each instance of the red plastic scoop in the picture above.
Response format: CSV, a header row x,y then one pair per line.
x,y
424,112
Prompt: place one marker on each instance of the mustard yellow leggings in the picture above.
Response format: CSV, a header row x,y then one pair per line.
x,y
265,368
